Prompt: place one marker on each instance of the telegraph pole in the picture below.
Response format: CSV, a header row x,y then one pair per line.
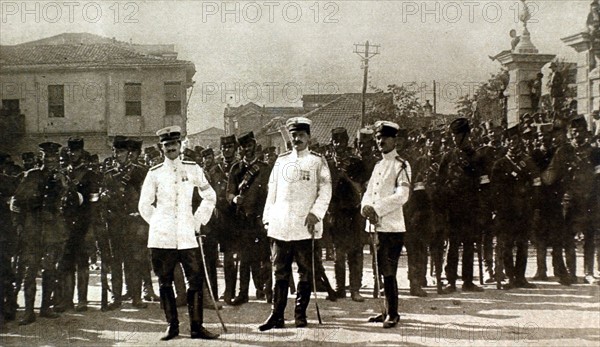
x,y
365,55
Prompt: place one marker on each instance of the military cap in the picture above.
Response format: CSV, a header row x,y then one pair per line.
x,y
135,144
514,131
169,134
578,122
75,143
50,148
246,138
460,126
386,128
120,142
198,149
339,134
226,140
365,135
150,149
298,124
206,152
189,153
27,155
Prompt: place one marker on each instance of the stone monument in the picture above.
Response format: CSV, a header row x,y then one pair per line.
x,y
523,62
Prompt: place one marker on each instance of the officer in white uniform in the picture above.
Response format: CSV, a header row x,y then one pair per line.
x,y
166,204
297,200
388,190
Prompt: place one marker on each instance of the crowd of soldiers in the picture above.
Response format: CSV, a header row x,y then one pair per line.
x,y
484,189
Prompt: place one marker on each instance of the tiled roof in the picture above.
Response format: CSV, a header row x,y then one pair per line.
x,y
78,56
345,111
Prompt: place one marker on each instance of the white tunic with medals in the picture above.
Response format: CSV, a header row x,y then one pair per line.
x,y
300,184
166,204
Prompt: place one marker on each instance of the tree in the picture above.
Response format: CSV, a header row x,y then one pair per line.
x,y
486,103
396,104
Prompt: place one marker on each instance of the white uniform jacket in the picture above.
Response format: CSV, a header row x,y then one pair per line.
x,y
166,204
300,184
388,190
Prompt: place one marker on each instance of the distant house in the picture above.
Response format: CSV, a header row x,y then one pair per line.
x,y
89,86
210,137
252,117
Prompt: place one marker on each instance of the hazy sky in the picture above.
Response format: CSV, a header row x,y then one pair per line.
x,y
272,52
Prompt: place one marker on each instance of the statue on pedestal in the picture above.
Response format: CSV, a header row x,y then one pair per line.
x,y
514,39
535,89
593,27
555,85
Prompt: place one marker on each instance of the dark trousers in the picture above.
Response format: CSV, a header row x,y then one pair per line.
x,y
164,262
254,260
512,234
75,259
210,245
461,232
346,231
283,254
388,253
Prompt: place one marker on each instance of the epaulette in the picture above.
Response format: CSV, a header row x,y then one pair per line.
x,y
189,162
156,166
285,153
316,153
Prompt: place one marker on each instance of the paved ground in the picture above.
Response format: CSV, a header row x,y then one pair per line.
x,y
551,315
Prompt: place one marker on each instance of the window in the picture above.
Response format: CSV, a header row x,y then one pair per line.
x,y
56,101
10,107
172,98
133,99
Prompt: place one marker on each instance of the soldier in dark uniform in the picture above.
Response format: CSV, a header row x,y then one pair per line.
x,y
459,180
210,231
41,198
347,178
486,156
120,192
580,199
77,251
556,177
135,151
228,234
8,245
542,156
247,192
515,190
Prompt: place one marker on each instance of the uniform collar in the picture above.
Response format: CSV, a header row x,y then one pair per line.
x,y
172,163
391,155
301,153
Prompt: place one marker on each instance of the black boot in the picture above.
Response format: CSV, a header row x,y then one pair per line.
x,y
64,292
47,288
391,296
302,300
276,319
197,331
167,298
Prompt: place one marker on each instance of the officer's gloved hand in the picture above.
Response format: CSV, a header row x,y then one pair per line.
x,y
311,220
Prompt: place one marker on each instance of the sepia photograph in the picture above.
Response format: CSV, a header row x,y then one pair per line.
x,y
303,172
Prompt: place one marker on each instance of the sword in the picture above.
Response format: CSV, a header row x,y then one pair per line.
x,y
373,232
311,230
210,291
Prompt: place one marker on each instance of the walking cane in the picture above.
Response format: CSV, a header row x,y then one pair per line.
x,y
373,232
210,291
311,230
